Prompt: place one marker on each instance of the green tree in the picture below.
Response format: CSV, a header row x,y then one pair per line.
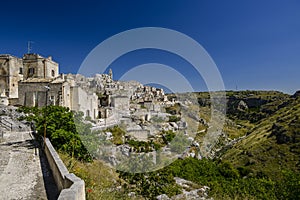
x,y
60,129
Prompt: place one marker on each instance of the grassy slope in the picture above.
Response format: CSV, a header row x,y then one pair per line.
x,y
101,181
262,151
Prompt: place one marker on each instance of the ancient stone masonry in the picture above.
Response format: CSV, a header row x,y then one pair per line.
x,y
11,72
36,66
35,81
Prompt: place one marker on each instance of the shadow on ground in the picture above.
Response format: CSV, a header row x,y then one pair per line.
x,y
50,186
45,183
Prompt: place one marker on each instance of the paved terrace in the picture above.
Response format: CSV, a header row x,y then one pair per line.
x,y
24,170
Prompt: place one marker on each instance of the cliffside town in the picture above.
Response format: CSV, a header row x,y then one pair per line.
x,y
35,81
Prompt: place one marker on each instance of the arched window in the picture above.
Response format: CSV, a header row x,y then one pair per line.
x,y
53,73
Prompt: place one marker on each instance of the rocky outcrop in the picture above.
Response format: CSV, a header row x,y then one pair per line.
x,y
297,94
9,119
242,106
190,191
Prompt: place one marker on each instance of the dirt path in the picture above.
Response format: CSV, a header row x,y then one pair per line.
x,y
23,169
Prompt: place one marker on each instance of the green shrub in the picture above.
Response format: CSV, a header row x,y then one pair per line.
x,y
174,118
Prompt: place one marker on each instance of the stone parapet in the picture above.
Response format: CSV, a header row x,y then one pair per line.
x,y
70,186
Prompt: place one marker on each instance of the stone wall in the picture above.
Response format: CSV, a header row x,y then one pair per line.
x,y
33,93
69,185
85,102
10,74
140,135
120,102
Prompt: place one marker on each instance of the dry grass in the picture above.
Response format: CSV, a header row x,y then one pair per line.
x,y
101,181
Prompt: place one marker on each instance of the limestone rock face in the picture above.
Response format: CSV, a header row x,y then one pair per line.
x,y
162,197
9,119
242,106
297,94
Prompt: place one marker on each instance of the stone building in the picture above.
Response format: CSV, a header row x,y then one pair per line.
x,y
36,66
120,102
41,92
11,72
35,81
58,91
40,73
84,101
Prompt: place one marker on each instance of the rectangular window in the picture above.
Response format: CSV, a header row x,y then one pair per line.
x,y
52,100
30,71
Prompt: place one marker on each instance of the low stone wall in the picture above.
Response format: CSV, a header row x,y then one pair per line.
x,y
69,185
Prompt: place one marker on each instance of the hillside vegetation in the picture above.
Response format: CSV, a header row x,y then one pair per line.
x,y
273,144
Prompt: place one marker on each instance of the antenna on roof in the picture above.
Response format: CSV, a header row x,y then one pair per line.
x,y
29,46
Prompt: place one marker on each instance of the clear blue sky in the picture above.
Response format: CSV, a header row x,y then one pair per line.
x,y
255,43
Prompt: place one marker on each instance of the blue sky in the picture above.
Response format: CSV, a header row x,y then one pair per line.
x,y
254,43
